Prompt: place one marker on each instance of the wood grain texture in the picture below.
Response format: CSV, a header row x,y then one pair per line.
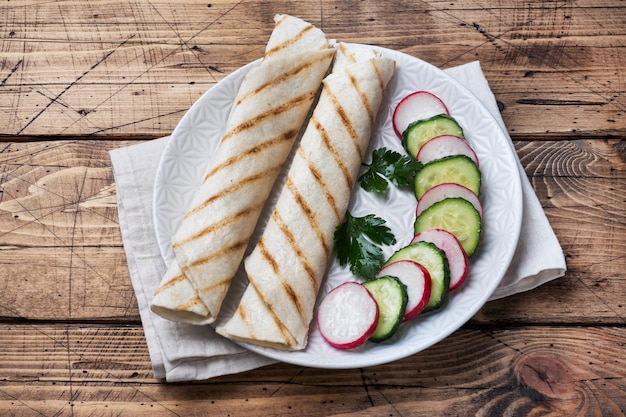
x,y
110,68
581,186
527,371
57,201
79,78
60,243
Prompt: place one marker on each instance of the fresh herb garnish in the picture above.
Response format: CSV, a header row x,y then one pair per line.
x,y
388,165
357,242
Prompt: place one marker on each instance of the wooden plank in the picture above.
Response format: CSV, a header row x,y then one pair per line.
x,y
133,68
53,370
582,212
58,194
62,255
70,284
60,243
589,221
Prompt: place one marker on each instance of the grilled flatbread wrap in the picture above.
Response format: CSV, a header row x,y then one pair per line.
x,y
269,111
286,267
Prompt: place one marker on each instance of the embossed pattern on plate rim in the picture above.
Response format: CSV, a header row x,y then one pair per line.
x,y
501,195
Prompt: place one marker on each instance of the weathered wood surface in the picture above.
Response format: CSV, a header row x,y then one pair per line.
x,y
78,78
72,333
58,203
67,370
113,68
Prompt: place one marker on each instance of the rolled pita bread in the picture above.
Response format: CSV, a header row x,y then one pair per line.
x,y
287,266
269,111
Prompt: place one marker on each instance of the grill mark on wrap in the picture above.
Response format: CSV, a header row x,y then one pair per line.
x,y
285,333
293,243
271,113
252,152
276,81
362,96
292,40
242,314
225,221
267,256
189,306
381,82
328,143
172,282
222,285
245,182
284,284
319,178
309,213
344,51
343,116
224,251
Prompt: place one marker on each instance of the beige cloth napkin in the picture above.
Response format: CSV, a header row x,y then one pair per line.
x,y
181,352
538,257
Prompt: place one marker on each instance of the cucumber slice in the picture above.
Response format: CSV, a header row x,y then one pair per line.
x,y
391,296
434,260
456,215
421,131
458,169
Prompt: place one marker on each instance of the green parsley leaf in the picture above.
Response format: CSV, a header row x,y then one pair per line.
x,y
389,165
357,242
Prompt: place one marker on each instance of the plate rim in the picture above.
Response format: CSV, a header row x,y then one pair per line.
x,y
365,360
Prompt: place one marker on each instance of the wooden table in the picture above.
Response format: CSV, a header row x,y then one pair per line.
x,y
79,78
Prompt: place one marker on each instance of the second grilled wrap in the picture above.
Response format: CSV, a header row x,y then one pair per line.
x,y
286,267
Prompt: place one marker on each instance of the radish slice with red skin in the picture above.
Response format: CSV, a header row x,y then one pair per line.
x,y
417,281
347,316
416,106
445,145
447,190
458,261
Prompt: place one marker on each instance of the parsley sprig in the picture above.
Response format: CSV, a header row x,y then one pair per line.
x,y
357,242
388,165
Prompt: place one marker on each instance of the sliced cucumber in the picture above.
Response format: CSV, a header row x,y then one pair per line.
x,y
421,131
434,260
456,215
458,169
391,296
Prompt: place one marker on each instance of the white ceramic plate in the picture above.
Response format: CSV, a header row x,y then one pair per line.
x,y
189,153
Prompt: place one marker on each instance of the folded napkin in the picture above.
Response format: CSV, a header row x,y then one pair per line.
x,y
538,257
182,352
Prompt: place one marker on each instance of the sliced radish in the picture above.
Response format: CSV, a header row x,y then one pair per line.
x,y
447,190
458,261
416,106
417,281
445,145
347,316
